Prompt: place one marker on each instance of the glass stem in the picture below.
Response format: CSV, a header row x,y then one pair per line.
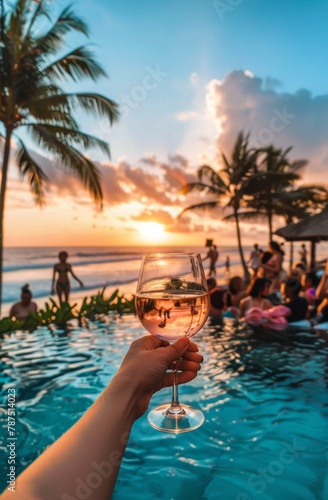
x,y
175,407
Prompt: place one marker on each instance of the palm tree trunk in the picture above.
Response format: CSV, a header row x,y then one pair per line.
x,y
270,225
5,165
241,253
291,257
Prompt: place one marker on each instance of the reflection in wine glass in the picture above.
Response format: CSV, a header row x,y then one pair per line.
x,y
172,301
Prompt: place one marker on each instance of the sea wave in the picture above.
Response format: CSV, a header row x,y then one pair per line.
x,y
11,296
48,265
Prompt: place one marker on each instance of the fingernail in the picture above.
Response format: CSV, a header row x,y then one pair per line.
x,y
183,341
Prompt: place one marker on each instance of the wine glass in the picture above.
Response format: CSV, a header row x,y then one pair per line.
x,y
172,301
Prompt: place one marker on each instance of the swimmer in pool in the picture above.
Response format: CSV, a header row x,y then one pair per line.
x,y
63,286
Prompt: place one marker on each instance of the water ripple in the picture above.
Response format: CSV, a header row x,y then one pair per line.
x,y
264,398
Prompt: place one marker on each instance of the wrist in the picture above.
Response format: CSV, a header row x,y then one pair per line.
x,y
123,393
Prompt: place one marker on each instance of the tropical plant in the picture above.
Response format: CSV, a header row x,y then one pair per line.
x,y
228,186
274,177
94,308
32,70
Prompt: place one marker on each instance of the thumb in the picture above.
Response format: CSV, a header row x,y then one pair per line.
x,y
177,350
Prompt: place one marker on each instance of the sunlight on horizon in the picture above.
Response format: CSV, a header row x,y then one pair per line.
x,y
152,232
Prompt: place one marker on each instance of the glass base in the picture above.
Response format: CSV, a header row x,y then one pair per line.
x,y
187,420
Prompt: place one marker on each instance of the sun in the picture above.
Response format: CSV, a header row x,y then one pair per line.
x,y
152,231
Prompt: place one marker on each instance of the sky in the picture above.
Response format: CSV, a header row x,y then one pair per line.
x,y
188,76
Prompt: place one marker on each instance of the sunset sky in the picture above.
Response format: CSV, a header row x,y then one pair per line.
x,y
188,75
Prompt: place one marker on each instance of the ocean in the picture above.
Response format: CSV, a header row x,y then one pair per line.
x,y
98,267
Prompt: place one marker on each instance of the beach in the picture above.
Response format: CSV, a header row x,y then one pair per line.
x,y
99,267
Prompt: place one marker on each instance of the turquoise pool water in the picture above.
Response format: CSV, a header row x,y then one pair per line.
x,y
265,402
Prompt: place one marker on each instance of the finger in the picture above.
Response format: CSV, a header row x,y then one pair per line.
x,y
193,347
193,356
185,365
183,378
176,350
149,342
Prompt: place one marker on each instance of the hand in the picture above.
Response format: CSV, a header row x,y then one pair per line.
x,y
147,361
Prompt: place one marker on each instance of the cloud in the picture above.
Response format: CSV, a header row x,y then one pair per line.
x,y
194,78
185,116
300,119
160,216
185,224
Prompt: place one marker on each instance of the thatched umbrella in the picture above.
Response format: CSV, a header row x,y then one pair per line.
x,y
313,229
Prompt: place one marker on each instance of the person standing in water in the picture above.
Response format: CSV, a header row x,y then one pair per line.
x,y
63,286
213,255
21,309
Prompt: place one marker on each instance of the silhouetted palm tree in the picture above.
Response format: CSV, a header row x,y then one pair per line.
x,y
274,177
228,186
32,98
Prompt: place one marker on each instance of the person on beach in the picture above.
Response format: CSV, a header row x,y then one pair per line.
x,y
227,265
213,255
254,259
63,286
84,462
303,255
21,309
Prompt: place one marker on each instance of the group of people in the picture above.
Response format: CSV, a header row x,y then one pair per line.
x,y
303,292
20,310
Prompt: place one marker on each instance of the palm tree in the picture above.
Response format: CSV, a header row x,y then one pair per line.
x,y
32,99
228,186
275,176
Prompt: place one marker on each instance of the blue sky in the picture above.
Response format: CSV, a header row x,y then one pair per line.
x,y
277,39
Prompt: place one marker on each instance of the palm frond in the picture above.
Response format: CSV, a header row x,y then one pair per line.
x,y
52,41
73,137
213,176
97,104
29,168
77,64
41,10
199,186
48,103
71,158
58,103
243,161
17,19
200,206
249,215
298,165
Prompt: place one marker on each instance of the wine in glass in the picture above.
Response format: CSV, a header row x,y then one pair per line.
x,y
172,301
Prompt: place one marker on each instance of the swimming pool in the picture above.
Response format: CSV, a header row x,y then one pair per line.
x,y
265,402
